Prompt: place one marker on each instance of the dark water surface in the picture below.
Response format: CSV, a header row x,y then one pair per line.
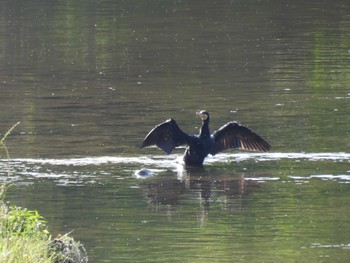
x,y
88,80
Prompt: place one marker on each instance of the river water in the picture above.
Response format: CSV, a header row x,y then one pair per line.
x,y
87,80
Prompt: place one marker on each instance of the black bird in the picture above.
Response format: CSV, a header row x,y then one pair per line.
x,y
168,135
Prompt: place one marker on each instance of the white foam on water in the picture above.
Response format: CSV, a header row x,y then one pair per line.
x,y
344,178
148,166
261,179
239,157
169,160
319,245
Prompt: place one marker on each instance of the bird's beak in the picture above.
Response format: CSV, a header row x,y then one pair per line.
x,y
201,115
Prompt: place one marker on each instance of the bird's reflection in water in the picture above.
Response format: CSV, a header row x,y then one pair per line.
x,y
208,185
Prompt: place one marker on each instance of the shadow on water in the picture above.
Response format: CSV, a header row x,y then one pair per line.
x,y
204,184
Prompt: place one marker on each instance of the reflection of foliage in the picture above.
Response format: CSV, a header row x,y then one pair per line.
x,y
329,60
74,38
329,77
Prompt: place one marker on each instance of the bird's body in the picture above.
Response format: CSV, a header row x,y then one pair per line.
x,y
168,135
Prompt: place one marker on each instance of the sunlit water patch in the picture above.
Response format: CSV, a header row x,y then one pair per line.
x,y
341,178
318,245
261,178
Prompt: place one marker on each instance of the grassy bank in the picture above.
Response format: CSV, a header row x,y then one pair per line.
x,y
23,234
24,237
24,249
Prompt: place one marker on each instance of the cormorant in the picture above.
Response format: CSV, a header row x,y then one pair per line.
x,y
168,135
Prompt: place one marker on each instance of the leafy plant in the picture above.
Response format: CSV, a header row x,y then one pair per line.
x,y
21,221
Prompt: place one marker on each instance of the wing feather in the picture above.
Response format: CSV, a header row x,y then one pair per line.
x,y
234,135
166,136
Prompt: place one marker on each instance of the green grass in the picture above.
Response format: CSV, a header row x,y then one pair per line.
x,y
18,249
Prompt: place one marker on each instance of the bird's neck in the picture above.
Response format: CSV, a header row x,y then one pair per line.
x,y
204,131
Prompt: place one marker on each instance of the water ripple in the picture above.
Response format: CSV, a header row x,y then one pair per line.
x,y
85,170
168,160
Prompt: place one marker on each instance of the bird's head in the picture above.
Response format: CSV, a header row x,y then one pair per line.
x,y
203,114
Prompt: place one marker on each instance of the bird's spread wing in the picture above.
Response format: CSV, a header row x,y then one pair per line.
x,y
234,135
166,136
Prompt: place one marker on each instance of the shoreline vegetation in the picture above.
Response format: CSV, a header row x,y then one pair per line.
x,y
24,236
